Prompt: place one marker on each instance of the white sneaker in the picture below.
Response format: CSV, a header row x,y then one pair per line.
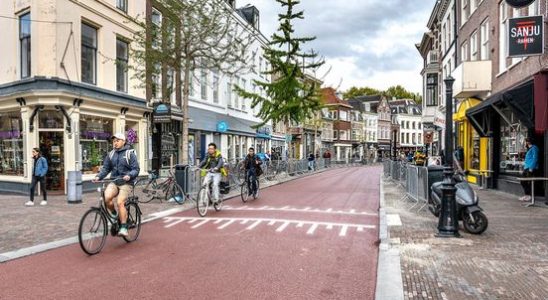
x,y
29,203
527,198
522,198
122,232
44,202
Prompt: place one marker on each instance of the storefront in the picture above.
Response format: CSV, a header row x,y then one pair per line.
x,y
71,123
507,118
475,149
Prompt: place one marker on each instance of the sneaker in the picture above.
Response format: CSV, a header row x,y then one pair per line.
x,y
122,232
527,198
522,198
44,202
29,203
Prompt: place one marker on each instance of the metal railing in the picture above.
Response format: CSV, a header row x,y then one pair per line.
x,y
413,179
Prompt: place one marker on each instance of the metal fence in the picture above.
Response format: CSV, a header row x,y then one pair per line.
x,y
413,179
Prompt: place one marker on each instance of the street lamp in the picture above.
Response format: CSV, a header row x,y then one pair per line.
x,y
448,221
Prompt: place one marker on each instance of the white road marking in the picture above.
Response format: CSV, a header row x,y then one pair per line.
x,y
359,229
304,210
192,221
218,221
226,224
254,225
312,229
281,228
329,227
200,224
174,223
300,224
344,228
244,222
271,223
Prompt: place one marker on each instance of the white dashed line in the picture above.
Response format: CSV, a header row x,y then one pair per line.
x,y
200,224
312,229
281,228
226,224
344,228
250,227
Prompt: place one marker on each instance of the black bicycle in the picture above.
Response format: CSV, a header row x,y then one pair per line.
x,y
244,194
148,189
93,229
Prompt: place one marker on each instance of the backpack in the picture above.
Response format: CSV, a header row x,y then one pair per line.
x,y
128,154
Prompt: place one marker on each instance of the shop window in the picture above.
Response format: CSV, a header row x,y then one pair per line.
x,y
11,144
513,135
24,44
50,119
169,148
89,54
95,134
475,157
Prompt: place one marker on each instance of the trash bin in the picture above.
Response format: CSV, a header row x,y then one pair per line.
x,y
74,187
181,176
435,174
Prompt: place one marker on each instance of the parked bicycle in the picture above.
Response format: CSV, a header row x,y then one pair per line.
x,y
93,228
153,187
244,194
205,198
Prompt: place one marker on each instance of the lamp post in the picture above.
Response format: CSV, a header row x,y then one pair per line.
x,y
448,225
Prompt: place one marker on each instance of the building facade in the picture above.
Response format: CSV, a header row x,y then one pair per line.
x,y
64,88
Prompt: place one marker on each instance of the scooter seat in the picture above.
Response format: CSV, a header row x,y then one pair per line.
x,y
436,187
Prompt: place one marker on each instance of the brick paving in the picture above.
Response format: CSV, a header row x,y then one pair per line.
x,y
508,261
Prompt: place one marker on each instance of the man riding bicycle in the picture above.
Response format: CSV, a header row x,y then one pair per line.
x,y
123,166
213,164
252,166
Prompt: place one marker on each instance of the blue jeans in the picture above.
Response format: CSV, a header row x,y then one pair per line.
x,y
251,183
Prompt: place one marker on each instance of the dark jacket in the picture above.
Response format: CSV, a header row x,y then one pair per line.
x,y
250,163
40,166
118,166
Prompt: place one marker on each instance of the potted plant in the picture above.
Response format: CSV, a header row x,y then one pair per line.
x,y
94,158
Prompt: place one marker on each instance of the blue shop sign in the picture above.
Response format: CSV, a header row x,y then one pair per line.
x,y
222,126
263,133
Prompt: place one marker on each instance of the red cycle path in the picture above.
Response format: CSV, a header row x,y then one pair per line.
x,y
312,238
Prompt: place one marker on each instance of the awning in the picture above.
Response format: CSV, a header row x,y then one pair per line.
x,y
519,99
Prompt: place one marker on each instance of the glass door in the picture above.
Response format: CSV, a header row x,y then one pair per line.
x,y
51,146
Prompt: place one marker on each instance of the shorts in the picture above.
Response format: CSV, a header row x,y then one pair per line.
x,y
124,191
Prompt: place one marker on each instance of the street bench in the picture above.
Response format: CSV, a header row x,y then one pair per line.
x,y
533,180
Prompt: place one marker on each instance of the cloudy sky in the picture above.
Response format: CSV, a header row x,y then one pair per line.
x,y
364,42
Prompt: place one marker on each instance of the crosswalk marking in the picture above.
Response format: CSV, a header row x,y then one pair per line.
x,y
304,210
252,223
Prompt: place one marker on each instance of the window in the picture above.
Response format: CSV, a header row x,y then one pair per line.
x,y
121,5
402,138
89,54
534,8
236,96
474,46
191,90
12,157
121,65
343,115
244,87
95,133
156,17
464,51
24,44
431,90
229,93
465,10
414,125
155,86
413,136
503,21
215,86
203,84
484,33
420,139
473,6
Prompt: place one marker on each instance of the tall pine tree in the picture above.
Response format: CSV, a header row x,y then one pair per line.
x,y
289,95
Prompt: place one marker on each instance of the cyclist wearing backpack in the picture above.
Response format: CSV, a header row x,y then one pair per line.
x,y
252,166
122,164
212,169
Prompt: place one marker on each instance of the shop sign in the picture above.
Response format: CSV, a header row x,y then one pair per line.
x,y
526,36
288,138
439,119
519,3
222,126
161,113
263,133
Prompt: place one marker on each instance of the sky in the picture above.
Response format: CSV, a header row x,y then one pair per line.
x,y
364,42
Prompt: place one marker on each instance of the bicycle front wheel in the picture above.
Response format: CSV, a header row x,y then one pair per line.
x,y
92,231
133,222
203,202
244,193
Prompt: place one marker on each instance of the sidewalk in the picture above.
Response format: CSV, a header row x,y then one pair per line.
x,y
508,261
22,227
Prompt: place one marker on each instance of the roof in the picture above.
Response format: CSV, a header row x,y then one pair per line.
x,y
405,106
329,96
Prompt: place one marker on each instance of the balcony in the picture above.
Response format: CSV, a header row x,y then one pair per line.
x,y
472,78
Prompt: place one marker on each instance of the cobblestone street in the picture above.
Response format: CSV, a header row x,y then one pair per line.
x,y
508,261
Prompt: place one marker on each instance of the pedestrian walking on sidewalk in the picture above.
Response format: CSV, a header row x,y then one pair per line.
x,y
39,170
530,166
311,160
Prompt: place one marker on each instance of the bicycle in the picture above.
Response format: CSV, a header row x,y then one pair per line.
x,y
244,194
205,198
148,189
97,218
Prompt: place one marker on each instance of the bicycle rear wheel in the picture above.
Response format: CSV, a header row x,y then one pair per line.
x,y
133,222
244,193
92,231
143,190
203,202
176,193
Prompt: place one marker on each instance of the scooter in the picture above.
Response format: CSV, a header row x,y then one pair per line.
x,y
468,210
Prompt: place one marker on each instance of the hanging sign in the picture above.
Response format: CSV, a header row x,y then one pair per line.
x,y
519,3
526,36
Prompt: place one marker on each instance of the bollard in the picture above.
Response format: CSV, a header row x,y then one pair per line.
x,y
74,187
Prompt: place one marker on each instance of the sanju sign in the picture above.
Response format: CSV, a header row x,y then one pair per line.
x,y
519,3
526,36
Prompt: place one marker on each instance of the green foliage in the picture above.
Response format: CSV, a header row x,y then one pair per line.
x,y
354,92
291,95
398,92
94,157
